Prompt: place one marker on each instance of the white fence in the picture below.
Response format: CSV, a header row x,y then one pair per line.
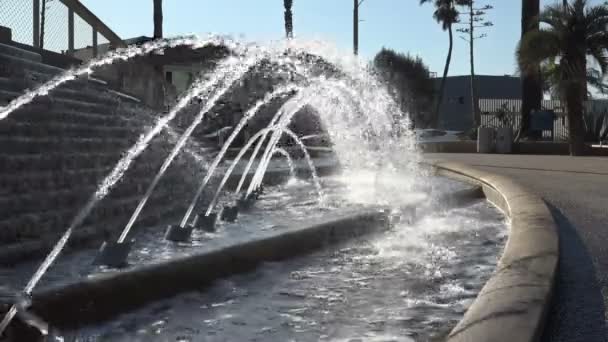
x,y
506,113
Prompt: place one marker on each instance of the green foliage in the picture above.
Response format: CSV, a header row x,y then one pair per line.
x,y
551,45
550,75
503,115
471,133
445,12
572,34
409,79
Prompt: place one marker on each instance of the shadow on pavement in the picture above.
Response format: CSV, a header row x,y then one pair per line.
x,y
577,310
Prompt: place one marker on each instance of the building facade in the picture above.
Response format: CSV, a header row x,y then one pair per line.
x,y
455,111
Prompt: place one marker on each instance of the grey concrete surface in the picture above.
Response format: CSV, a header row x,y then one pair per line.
x,y
576,191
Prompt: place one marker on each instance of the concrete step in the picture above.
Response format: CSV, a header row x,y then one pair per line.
x,y
134,184
76,90
19,66
109,106
55,161
40,165
30,145
35,79
89,235
84,95
40,113
31,180
10,128
68,116
31,225
10,50
13,84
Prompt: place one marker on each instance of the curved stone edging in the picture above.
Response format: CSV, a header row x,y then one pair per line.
x,y
512,305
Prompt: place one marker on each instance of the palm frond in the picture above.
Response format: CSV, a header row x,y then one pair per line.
x,y
595,79
596,18
536,47
600,55
555,17
445,12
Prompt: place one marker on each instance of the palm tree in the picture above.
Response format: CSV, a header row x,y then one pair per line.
x,y
158,19
288,4
573,33
531,85
445,14
550,76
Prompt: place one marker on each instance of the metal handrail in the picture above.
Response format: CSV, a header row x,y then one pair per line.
x,y
96,23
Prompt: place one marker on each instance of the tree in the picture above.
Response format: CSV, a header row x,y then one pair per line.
x,y
531,83
447,15
158,19
475,21
550,76
288,4
356,5
409,79
574,32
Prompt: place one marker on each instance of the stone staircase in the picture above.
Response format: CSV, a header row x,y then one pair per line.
x,y
57,149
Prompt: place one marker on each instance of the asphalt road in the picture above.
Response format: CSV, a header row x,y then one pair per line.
x,y
576,191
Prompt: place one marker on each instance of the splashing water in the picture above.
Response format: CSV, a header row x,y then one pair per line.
x,y
355,108
311,166
248,115
291,108
115,176
229,78
292,169
198,87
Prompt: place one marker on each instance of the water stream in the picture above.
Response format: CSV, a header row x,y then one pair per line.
x,y
369,134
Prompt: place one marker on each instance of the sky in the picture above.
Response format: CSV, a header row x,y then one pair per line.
x,y
402,25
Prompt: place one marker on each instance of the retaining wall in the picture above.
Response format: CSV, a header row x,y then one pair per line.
x,y
513,304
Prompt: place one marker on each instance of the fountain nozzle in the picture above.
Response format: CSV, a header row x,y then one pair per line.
x,y
113,254
246,202
205,222
230,213
176,233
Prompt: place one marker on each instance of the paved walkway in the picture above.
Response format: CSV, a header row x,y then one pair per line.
x,y
576,191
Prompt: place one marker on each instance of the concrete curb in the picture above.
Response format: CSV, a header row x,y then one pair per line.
x,y
513,304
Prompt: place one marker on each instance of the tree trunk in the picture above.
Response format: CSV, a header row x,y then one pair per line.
x,y
576,135
531,83
474,101
439,99
356,27
574,73
288,4
158,19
